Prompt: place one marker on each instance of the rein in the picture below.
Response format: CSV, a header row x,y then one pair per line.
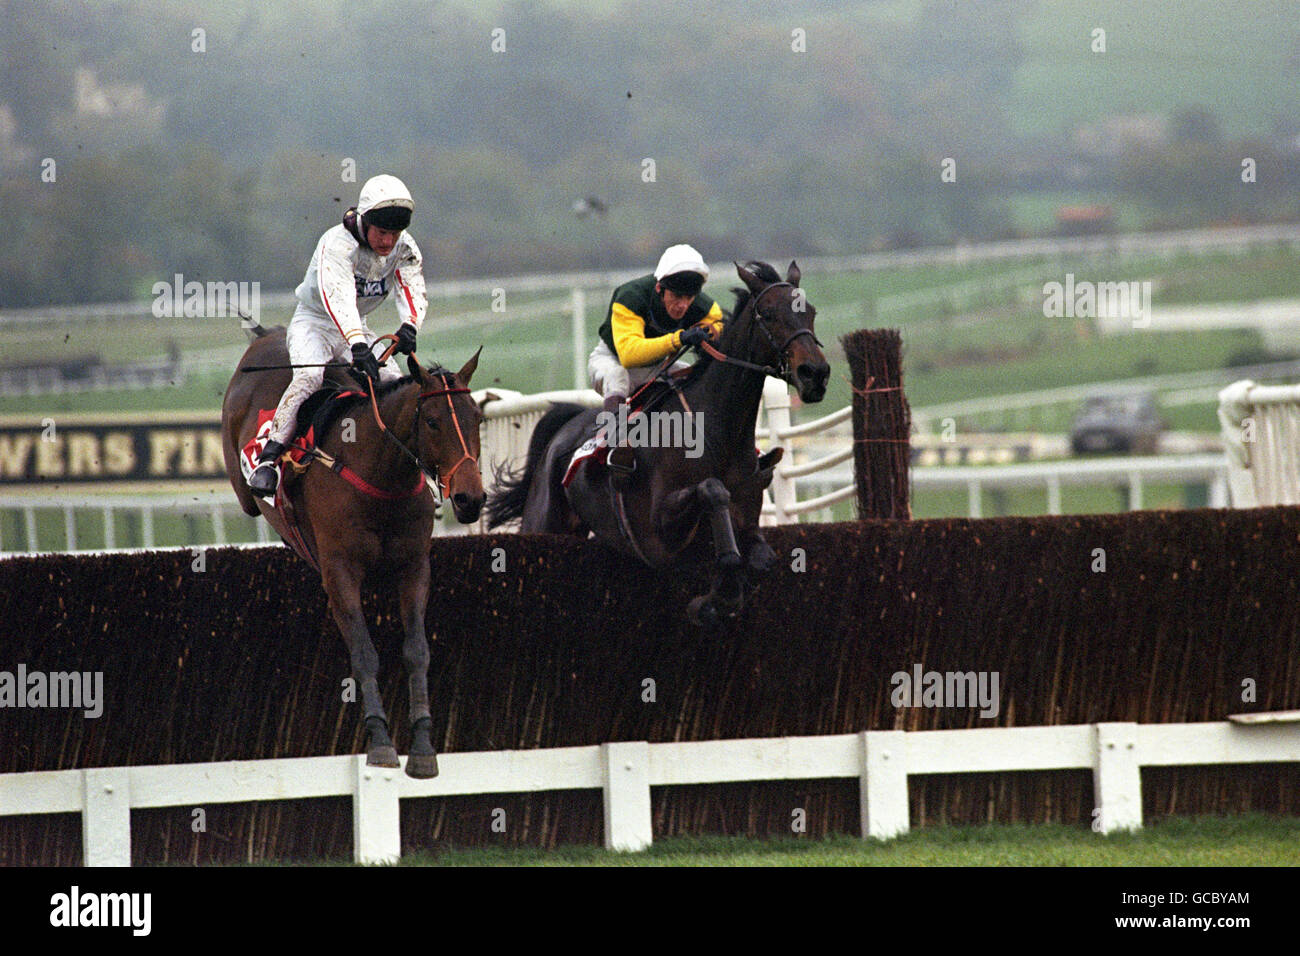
x,y
782,372
443,483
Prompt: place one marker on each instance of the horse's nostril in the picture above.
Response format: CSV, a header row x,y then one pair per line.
x,y
460,499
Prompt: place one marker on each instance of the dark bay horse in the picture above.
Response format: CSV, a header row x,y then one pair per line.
x,y
672,491
379,518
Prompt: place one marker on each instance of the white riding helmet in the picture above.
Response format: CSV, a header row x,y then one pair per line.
x,y
682,269
386,202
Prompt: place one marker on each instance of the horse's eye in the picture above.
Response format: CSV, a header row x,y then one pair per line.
x,y
432,423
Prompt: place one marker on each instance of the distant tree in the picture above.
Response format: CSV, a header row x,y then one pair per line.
x,y
1197,124
37,68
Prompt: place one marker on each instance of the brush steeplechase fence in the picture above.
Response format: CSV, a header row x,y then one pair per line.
x,y
624,772
202,706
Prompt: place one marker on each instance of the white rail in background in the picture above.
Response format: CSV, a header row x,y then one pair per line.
x,y
223,513
1261,435
1188,241
1132,473
508,426
1177,389
882,761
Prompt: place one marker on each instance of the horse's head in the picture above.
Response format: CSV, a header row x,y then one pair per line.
x,y
447,434
774,323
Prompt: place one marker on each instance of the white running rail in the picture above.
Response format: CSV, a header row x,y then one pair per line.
x,y
1261,434
882,761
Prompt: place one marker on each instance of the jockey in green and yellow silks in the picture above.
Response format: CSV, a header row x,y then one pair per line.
x,y
649,318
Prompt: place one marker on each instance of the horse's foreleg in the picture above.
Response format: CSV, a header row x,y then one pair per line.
x,y
414,596
759,556
717,505
343,584
712,498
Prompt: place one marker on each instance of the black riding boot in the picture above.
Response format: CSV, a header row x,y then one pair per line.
x,y
265,477
621,459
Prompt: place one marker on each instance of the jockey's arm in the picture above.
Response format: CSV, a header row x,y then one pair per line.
x,y
633,348
714,321
408,280
338,291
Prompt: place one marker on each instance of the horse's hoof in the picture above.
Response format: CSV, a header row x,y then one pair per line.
x,y
422,766
382,757
702,612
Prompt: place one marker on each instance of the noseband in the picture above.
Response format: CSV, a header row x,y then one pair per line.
x,y
443,483
448,391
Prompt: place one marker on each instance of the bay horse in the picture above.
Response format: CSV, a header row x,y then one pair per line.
x,y
373,511
670,493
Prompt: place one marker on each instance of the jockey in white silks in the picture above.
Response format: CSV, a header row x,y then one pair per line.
x,y
354,268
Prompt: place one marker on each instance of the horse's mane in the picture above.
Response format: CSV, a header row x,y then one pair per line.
x,y
387,388
763,271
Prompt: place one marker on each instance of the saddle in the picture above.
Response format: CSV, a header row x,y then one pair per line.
x,y
315,416
594,452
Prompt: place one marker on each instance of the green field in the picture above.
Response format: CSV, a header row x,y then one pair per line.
x,y
1249,840
958,345
969,331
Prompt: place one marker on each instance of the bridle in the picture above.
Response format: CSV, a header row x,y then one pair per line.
x,y
443,482
783,370
447,391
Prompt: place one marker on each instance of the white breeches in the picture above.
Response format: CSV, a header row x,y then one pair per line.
x,y
314,338
609,377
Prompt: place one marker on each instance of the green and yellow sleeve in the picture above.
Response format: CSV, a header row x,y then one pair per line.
x,y
633,348
714,321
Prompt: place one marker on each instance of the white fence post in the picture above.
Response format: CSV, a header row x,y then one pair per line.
x,y
776,399
883,794
218,525
1134,491
1218,494
376,814
626,773
1117,780
1053,495
106,817
579,308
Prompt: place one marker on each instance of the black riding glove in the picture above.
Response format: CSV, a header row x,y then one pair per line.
x,y
694,335
364,362
406,338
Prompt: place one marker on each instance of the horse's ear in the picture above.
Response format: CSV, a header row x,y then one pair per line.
x,y
793,275
467,372
415,368
754,283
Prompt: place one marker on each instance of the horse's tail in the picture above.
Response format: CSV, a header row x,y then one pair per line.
x,y
253,329
508,501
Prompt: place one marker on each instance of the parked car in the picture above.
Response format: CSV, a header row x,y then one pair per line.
x,y
1117,421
